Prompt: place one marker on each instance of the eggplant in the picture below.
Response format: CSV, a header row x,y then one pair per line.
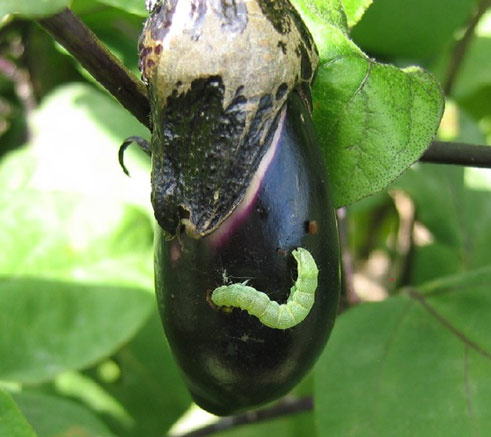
x,y
230,360
240,195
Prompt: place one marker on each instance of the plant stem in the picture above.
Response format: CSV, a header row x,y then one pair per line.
x,y
69,31
283,408
461,46
469,155
82,44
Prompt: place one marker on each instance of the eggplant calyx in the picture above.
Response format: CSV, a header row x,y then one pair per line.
x,y
269,312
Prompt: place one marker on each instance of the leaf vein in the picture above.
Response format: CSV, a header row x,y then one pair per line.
x,y
448,325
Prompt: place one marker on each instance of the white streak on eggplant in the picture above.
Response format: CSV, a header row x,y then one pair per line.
x,y
269,312
242,209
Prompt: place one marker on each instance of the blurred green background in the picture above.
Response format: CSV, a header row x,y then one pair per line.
x,y
82,351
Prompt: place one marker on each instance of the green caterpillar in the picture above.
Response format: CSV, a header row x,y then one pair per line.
x,y
270,312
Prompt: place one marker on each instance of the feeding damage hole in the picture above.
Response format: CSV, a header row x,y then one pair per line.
x,y
311,227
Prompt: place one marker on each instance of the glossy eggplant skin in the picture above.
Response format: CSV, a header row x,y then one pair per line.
x,y
230,361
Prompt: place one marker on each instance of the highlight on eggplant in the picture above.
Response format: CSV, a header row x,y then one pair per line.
x,y
269,312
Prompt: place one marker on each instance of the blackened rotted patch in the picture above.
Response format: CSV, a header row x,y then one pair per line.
x,y
282,46
281,91
306,65
232,13
202,157
276,13
281,14
302,29
265,106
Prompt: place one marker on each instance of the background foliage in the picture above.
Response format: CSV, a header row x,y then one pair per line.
x,y
81,347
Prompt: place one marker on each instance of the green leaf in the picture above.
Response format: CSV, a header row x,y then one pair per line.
x,y
149,385
321,13
32,8
76,239
355,9
66,240
136,7
67,210
119,31
456,215
372,221
478,105
56,417
476,68
47,327
77,386
465,301
472,88
373,120
12,422
416,29
419,364
438,193
433,261
474,278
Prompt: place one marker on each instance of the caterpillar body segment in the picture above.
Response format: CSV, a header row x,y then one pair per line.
x,y
269,312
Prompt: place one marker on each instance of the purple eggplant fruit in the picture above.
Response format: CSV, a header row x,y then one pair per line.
x,y
230,360
240,195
